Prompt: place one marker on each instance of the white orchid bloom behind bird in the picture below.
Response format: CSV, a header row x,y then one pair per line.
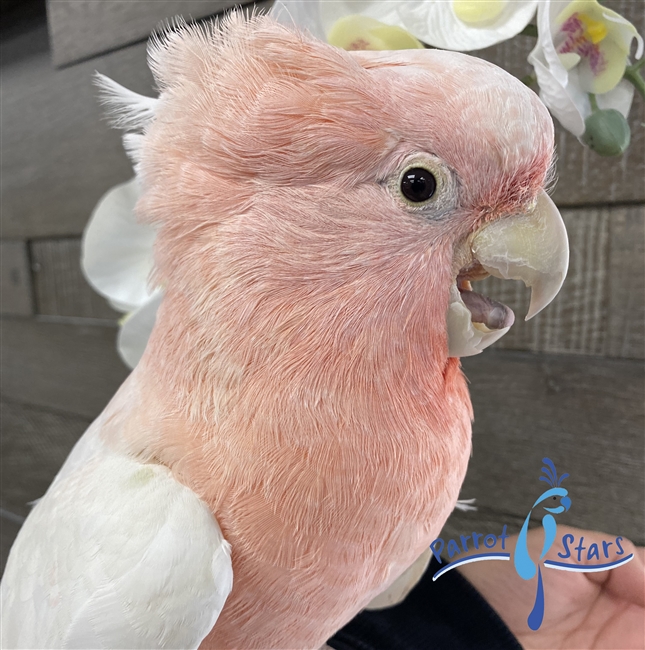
x,y
582,49
466,25
462,25
117,262
349,24
136,328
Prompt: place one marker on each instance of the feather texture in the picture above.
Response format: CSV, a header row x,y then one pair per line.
x,y
132,559
126,109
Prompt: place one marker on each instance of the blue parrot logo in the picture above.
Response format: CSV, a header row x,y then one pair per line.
x,y
554,501
524,565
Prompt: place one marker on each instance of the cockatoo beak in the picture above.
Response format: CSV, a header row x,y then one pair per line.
x,y
532,247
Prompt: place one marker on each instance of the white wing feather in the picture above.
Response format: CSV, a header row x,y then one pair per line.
x,y
117,554
403,585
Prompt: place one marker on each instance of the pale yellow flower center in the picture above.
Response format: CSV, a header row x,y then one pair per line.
x,y
580,36
595,40
358,32
478,12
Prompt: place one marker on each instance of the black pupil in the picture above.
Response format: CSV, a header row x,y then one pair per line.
x,y
418,185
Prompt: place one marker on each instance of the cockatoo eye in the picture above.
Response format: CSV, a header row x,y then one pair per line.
x,y
418,184
424,184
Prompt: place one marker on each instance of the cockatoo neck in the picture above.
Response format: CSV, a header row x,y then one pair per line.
x,y
355,332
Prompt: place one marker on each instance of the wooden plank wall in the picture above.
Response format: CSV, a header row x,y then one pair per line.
x,y
568,384
80,29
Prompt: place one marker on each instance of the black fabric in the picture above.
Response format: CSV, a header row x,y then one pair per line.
x,y
449,614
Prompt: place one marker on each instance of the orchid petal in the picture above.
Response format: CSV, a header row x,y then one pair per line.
x,y
545,47
436,23
620,98
384,11
558,99
615,64
136,329
117,250
600,36
565,75
301,14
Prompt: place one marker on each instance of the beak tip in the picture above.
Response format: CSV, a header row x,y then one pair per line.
x,y
546,288
534,311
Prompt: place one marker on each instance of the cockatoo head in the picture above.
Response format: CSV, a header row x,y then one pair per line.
x,y
346,198
555,500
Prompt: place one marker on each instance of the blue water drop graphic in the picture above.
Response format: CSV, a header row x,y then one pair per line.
x,y
537,613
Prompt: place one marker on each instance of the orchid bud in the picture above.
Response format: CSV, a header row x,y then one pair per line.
x,y
606,132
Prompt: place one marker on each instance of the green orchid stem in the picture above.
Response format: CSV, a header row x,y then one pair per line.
x,y
530,30
632,74
594,102
529,80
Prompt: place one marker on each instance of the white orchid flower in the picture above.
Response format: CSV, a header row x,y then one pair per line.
x,y
117,262
582,50
387,24
136,328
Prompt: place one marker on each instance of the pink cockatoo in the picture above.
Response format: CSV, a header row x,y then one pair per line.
x,y
298,429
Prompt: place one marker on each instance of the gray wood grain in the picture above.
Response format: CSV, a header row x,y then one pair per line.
x,y
34,444
8,531
68,367
15,279
585,413
80,29
61,289
601,306
59,154
626,283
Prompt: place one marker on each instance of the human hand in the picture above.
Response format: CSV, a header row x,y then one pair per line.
x,y
582,610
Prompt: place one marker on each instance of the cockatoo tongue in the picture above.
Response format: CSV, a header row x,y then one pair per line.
x,y
487,311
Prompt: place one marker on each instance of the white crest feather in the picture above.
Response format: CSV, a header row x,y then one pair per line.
x,y
127,110
132,143
465,505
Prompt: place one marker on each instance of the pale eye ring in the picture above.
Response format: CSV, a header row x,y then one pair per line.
x,y
418,184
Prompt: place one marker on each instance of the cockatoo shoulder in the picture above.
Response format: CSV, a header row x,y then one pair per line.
x,y
403,585
135,559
